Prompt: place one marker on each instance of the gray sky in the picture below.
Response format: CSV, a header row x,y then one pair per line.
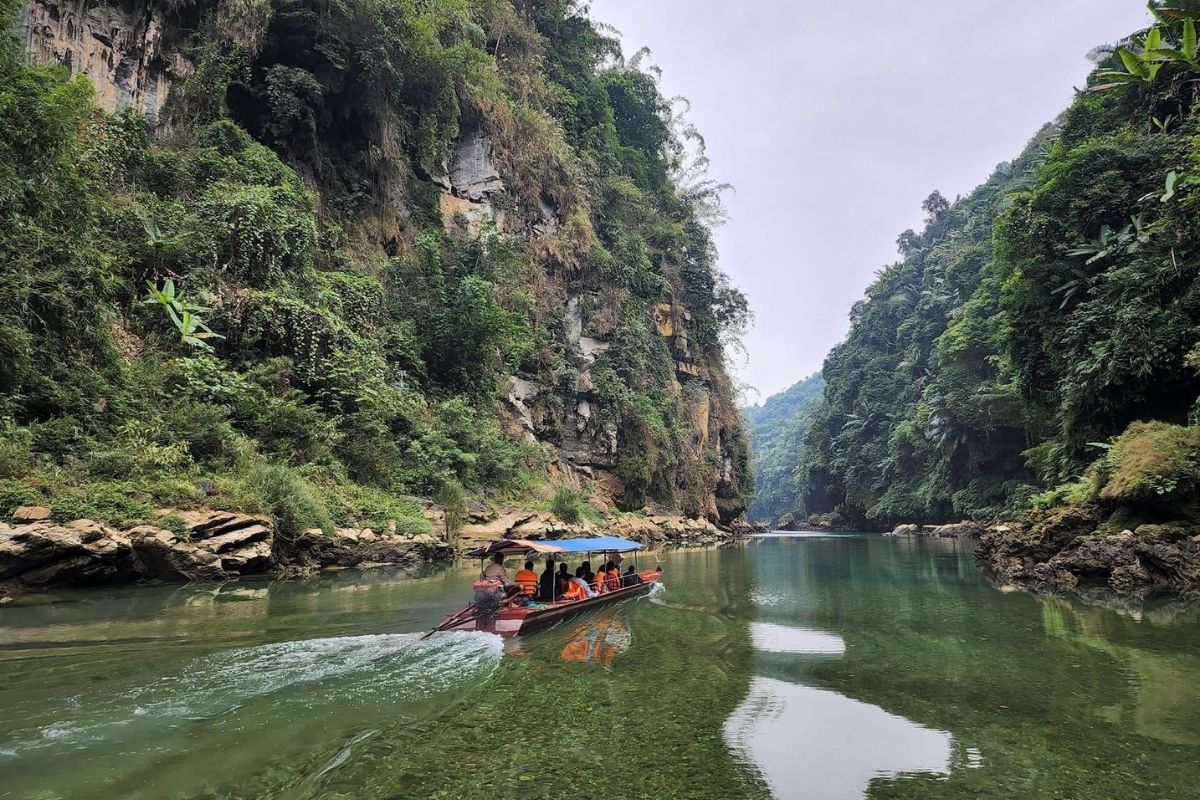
x,y
834,120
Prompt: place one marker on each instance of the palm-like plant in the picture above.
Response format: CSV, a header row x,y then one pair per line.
x,y
1142,64
184,315
1111,243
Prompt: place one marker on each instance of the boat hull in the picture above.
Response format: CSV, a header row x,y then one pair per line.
x,y
518,620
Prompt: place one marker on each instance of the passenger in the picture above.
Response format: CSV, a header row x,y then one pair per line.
x,y
573,590
585,571
527,579
585,590
597,581
564,577
548,586
495,571
612,577
630,578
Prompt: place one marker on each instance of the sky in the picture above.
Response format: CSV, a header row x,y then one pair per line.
x,y
834,120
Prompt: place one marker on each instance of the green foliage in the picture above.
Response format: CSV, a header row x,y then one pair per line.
x,y
176,524
1047,311
567,504
291,204
1074,493
777,431
184,315
291,502
15,443
1152,463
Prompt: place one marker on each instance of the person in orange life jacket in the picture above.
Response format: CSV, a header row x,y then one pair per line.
x,y
612,577
548,585
564,577
597,581
527,579
574,590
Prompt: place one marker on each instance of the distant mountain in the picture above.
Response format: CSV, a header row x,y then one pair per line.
x,y
777,430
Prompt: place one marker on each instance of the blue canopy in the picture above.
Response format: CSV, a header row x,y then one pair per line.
x,y
597,544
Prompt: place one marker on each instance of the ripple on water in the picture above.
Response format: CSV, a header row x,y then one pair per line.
x,y
362,670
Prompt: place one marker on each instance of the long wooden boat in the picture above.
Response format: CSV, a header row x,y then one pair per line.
x,y
519,616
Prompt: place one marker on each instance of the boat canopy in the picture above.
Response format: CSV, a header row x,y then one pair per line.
x,y
594,544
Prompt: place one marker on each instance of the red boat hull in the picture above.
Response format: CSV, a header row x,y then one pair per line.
x,y
515,620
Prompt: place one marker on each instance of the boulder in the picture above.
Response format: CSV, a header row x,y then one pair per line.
x,y
27,514
253,559
81,553
236,539
957,530
907,529
164,557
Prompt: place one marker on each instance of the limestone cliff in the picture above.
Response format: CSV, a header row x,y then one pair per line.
x,y
520,163
127,50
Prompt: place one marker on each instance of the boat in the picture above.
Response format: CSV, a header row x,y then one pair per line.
x,y
512,616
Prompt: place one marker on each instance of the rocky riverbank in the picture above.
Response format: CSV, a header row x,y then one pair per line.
x,y
38,553
967,529
1077,548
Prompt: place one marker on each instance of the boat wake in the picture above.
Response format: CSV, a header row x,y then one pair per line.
x,y
280,680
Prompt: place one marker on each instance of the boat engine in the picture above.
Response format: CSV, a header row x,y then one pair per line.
x,y
489,599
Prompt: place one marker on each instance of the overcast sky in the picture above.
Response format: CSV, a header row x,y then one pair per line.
x,y
834,120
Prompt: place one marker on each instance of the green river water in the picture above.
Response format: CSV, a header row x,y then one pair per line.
x,y
804,666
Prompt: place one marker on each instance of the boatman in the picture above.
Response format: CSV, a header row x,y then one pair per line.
x,y
495,571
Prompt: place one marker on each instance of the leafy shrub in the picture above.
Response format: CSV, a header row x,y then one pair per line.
x,y
174,523
567,504
14,493
287,497
351,505
453,498
1071,494
1151,462
138,452
14,449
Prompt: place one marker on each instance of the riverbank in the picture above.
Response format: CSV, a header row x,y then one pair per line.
x,y
37,552
1075,548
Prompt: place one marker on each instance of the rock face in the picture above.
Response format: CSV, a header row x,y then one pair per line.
x,y
1071,549
832,521
126,49
214,546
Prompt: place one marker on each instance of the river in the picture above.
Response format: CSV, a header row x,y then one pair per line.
x,y
790,666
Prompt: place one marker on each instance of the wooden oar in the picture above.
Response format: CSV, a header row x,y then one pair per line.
x,y
450,623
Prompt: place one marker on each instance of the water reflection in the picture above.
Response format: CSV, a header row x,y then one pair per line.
x,y
598,641
814,743
770,637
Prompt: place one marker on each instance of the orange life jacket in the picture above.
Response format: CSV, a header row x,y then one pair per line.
x,y
613,579
527,579
574,592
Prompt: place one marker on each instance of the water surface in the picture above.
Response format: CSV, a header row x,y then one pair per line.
x,y
812,666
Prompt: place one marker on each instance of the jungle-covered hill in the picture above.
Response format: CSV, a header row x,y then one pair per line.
x,y
777,430
316,258
1035,319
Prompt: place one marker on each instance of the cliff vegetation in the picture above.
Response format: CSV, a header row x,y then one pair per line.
x,y
1034,320
315,259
